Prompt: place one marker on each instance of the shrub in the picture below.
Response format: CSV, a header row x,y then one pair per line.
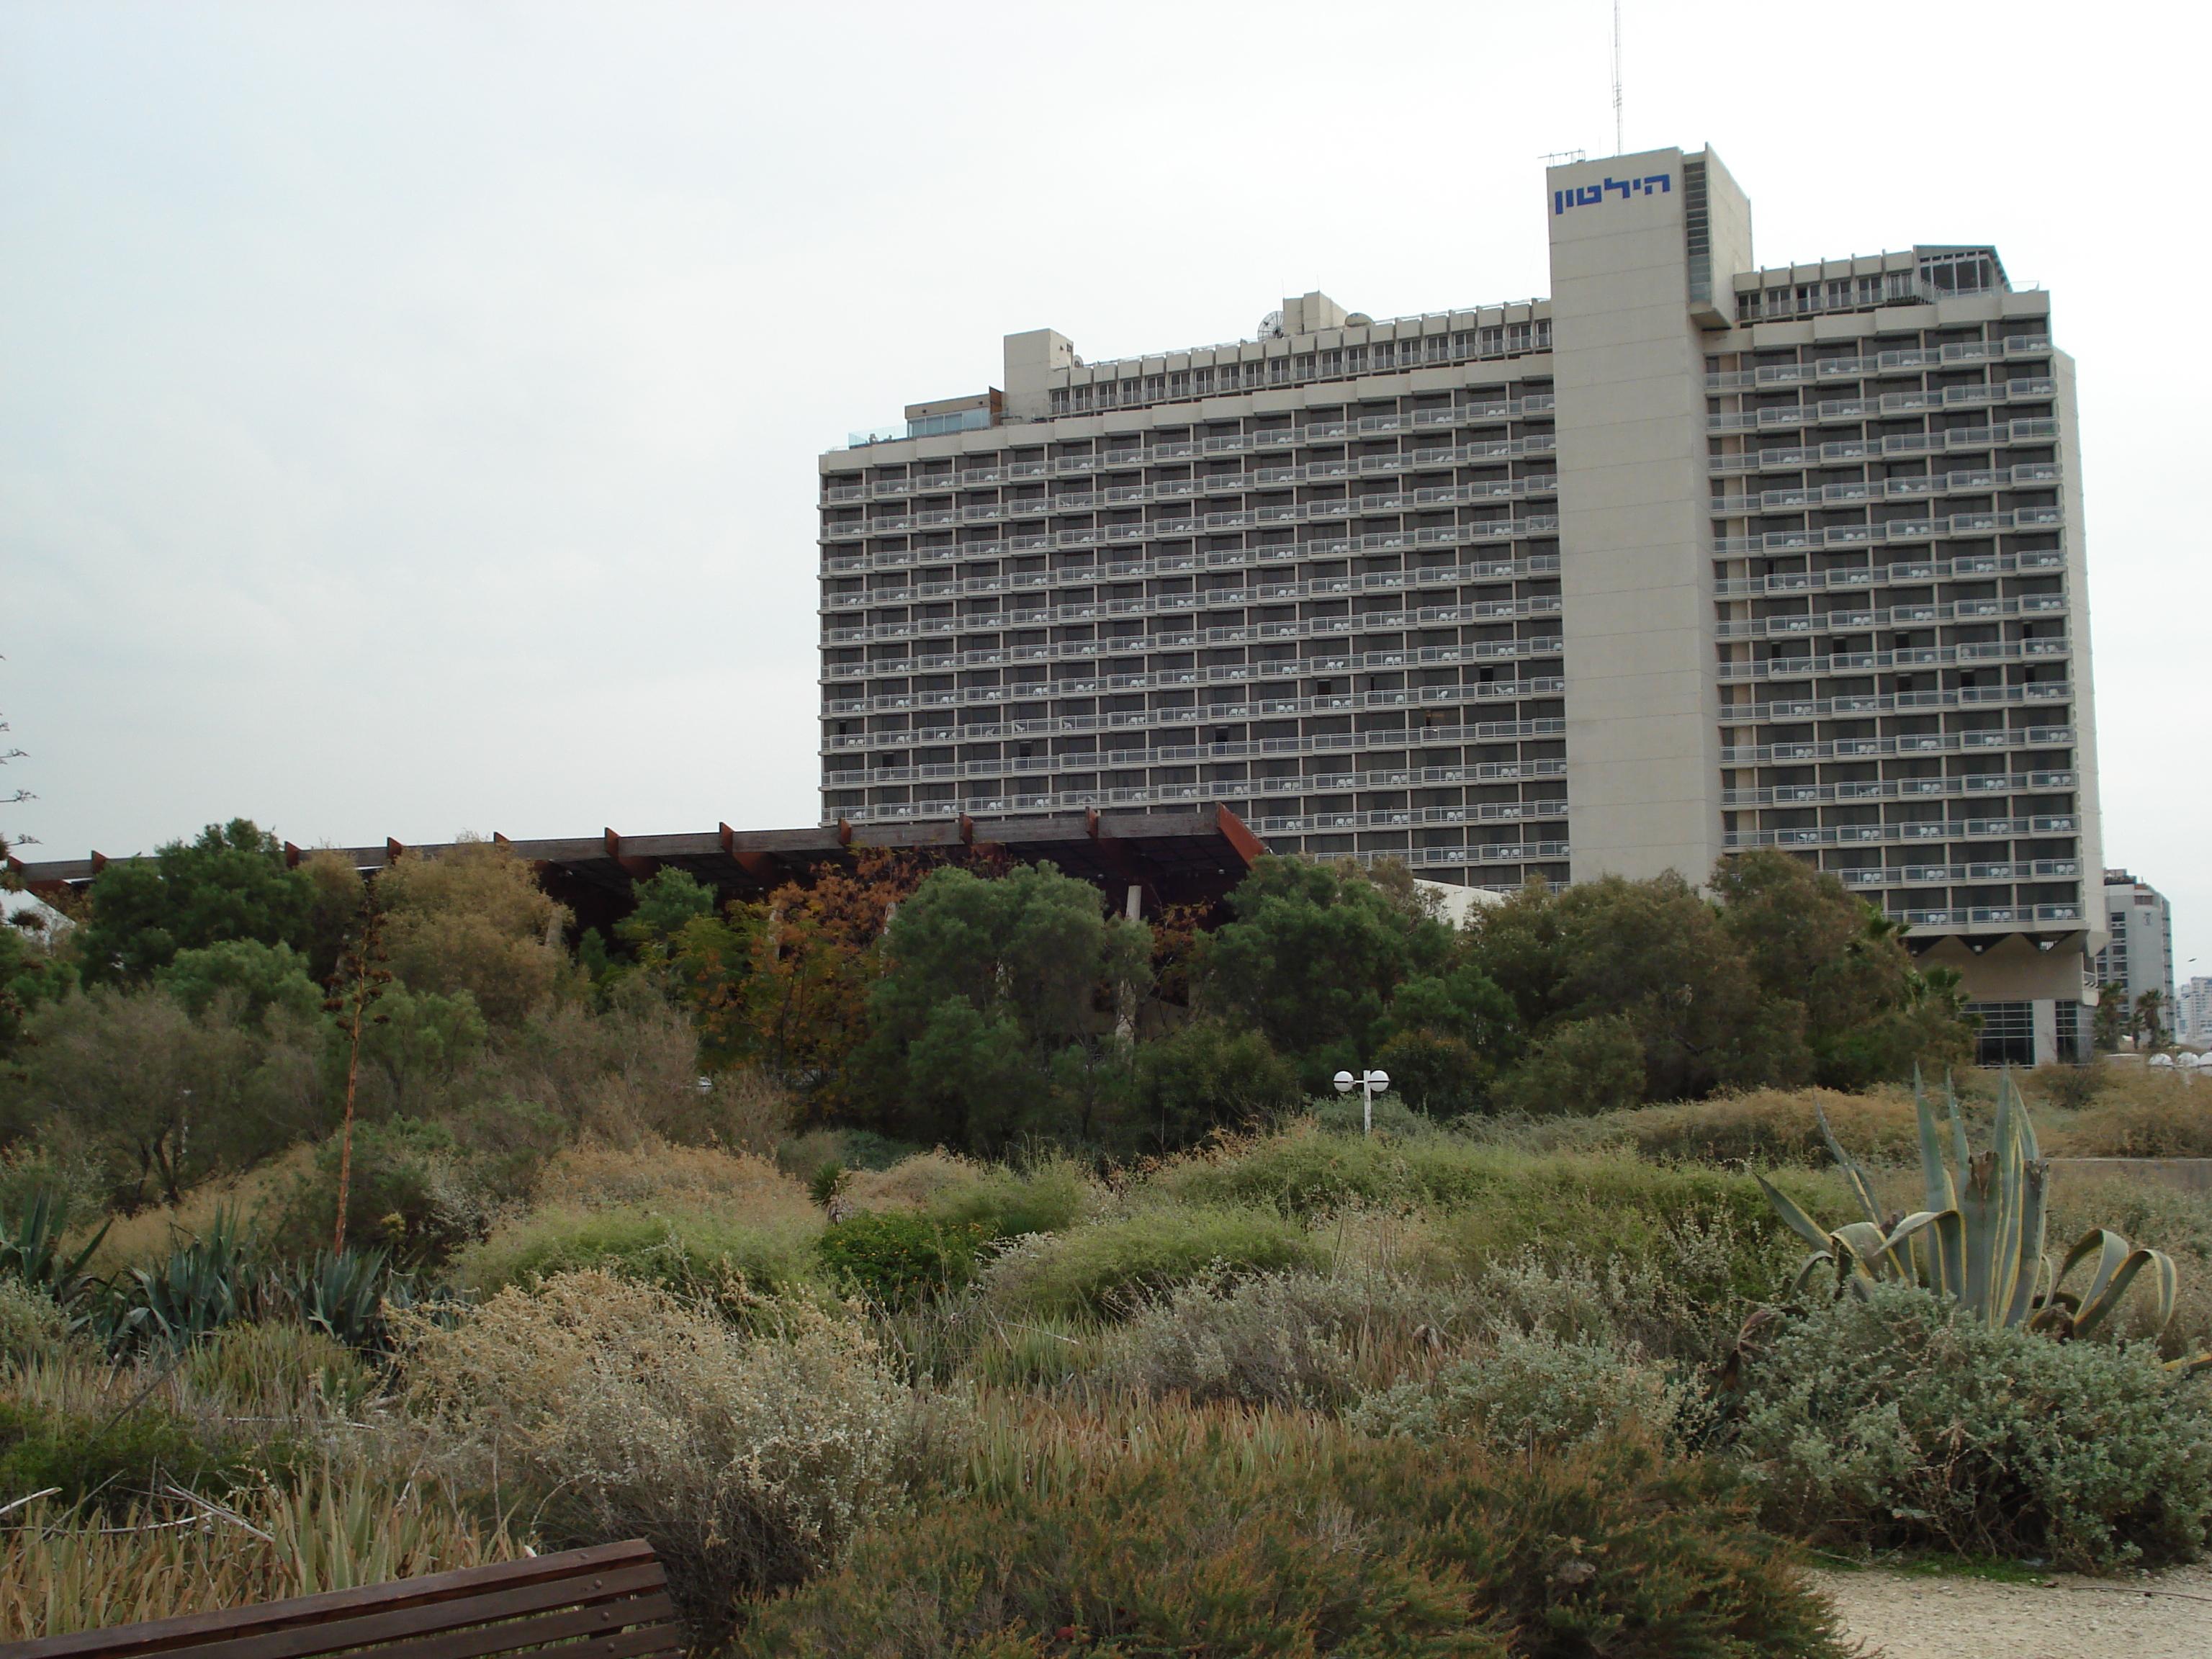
x,y
1761,1126
1516,1391
1585,1066
2166,1118
415,1191
1108,1268
1347,1115
1261,1539
1595,1209
899,1260
685,1252
1677,1300
595,1175
114,1461
1290,1339
747,1462
1885,1421
31,1324
1048,1197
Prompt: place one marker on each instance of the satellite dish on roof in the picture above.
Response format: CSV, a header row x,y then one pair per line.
x,y
1271,326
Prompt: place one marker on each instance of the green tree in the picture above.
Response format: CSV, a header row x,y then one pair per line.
x,y
1451,1035
251,976
2110,1024
165,1100
231,884
1868,1017
1204,1076
1312,961
474,919
2150,1017
31,974
986,983
667,900
1652,953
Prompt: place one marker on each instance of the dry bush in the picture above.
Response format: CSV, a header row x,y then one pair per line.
x,y
2138,1113
1307,1340
62,1570
595,1175
746,1460
914,1183
631,1074
1762,1126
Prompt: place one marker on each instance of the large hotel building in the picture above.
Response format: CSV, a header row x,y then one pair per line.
x,y
1690,557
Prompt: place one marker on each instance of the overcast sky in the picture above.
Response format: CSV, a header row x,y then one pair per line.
x,y
408,412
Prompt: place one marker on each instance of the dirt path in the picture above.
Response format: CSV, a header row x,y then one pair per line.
x,y
1910,1617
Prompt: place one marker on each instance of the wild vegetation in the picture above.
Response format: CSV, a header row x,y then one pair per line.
x,y
989,1275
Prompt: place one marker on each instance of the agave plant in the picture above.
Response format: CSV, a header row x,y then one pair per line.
x,y
204,1284
1979,1240
342,1294
30,1247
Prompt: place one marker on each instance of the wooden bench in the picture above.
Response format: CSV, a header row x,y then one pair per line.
x,y
607,1602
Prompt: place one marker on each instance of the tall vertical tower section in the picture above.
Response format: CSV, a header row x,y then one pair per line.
x,y
1636,242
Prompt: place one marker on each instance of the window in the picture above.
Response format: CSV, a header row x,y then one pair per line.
x,y
1179,384
1493,341
2008,1033
1520,336
1201,382
1060,400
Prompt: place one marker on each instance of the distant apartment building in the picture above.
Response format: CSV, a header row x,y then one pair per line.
x,y
2192,1011
1690,557
2140,954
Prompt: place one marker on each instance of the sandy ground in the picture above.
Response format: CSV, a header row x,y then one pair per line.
x,y
1903,1617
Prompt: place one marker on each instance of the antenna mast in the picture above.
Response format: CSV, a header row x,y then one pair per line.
x,y
1617,144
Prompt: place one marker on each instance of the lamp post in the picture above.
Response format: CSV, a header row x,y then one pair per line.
x,y
1369,1083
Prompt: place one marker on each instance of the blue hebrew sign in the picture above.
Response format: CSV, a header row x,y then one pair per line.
x,y
1658,184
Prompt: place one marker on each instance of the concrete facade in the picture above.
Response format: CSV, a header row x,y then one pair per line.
x,y
1688,558
2139,957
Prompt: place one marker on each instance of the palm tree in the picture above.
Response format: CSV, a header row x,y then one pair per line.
x,y
2150,1015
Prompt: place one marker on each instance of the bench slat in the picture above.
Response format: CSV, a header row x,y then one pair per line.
x,y
651,1619
615,1588
220,1625
666,1637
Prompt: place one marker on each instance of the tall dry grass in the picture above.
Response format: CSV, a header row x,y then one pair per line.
x,y
599,1175
62,1570
153,1233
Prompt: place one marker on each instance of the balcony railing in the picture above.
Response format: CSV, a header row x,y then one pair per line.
x,y
1904,573
2033,430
